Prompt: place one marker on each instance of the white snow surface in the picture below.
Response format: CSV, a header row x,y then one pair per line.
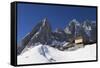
x,y
32,56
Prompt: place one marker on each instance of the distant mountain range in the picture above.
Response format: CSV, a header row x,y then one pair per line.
x,y
43,34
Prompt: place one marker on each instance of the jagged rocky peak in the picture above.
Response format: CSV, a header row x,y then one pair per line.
x,y
40,33
74,21
45,25
86,23
40,25
44,21
70,28
43,34
67,30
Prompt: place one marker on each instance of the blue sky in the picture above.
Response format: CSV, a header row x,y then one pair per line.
x,y
28,15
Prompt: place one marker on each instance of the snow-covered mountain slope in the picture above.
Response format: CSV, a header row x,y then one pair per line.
x,y
42,33
33,56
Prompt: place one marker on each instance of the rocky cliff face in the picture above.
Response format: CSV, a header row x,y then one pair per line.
x,y
42,33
